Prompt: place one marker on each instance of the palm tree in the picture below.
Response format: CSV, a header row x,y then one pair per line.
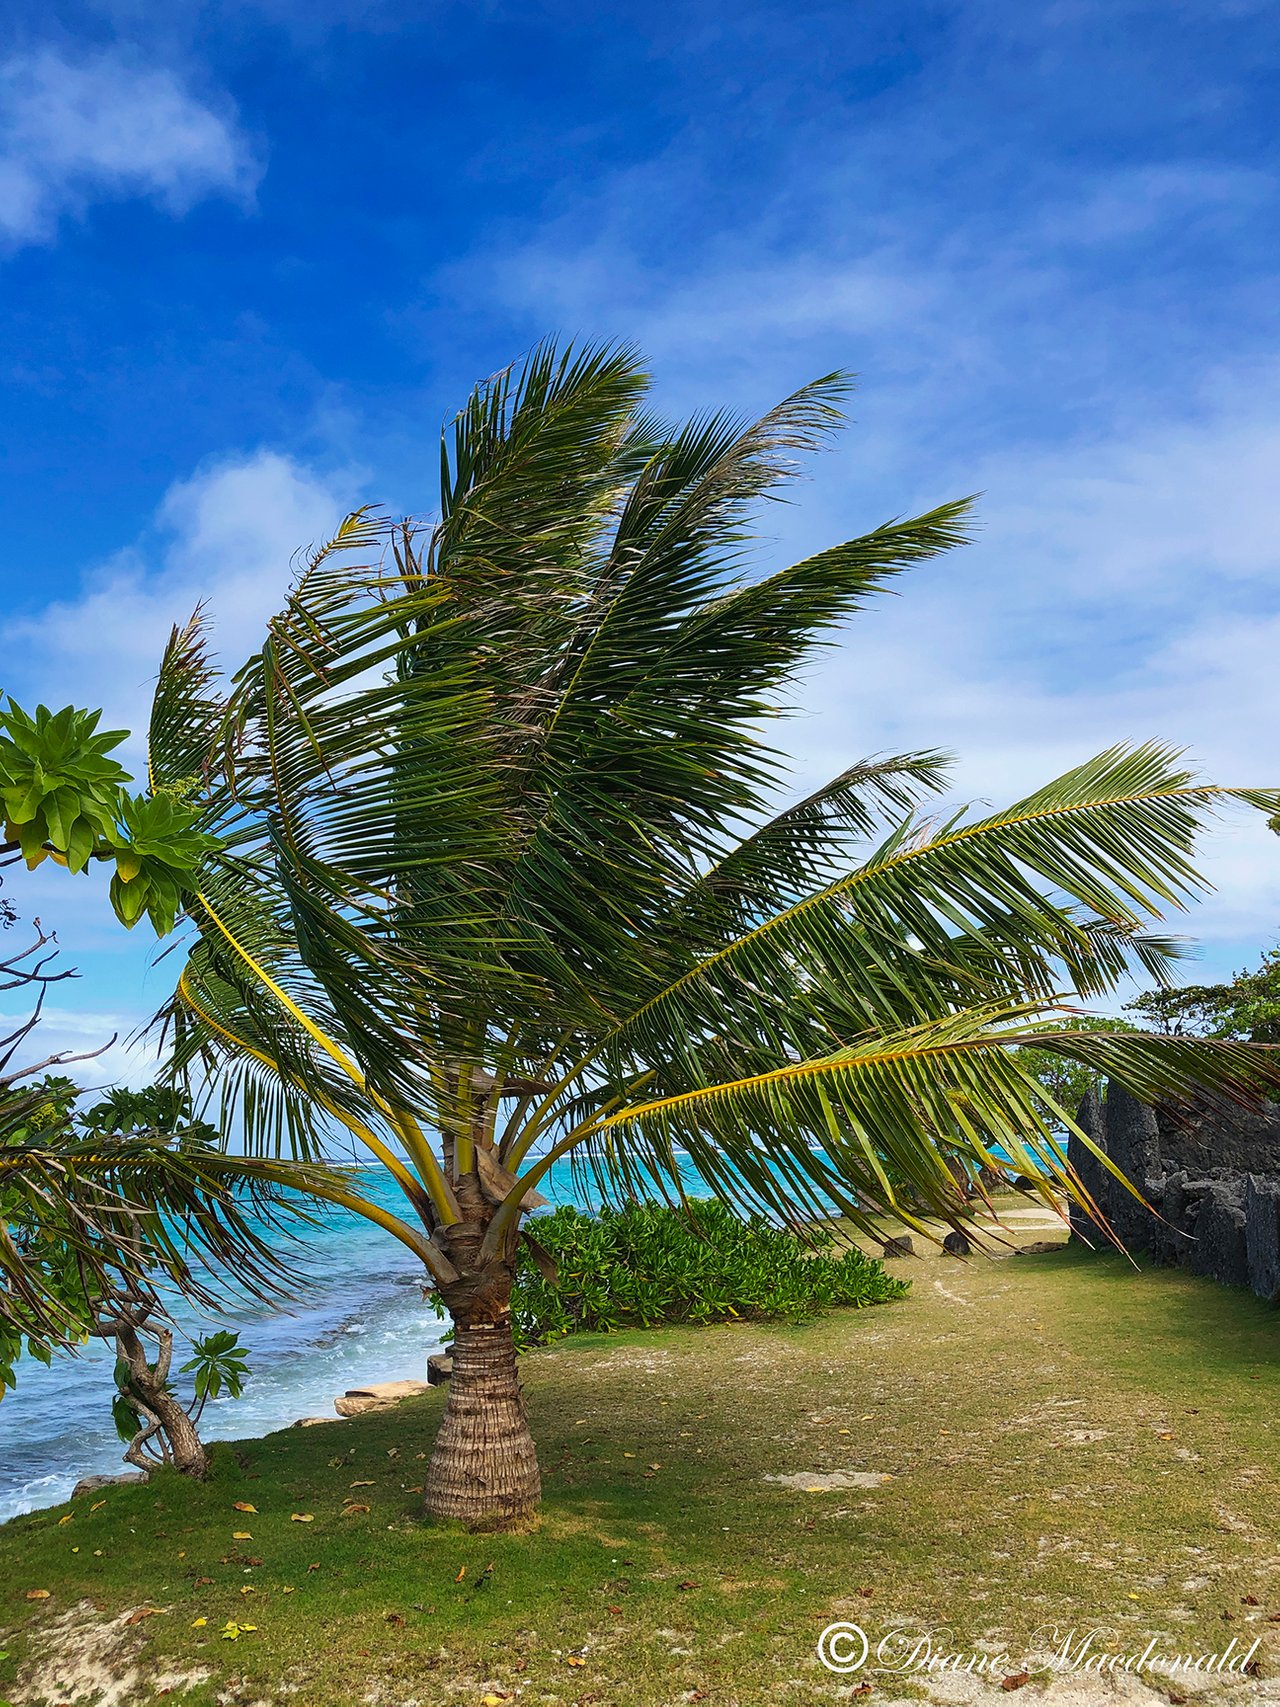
x,y
498,883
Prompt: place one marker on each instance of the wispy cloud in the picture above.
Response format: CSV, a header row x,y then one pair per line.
x,y
96,1044
73,132
227,537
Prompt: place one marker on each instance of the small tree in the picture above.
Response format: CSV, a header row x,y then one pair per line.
x,y
100,1211
1247,1007
499,875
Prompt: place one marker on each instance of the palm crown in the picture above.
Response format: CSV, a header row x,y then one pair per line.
x,y
496,881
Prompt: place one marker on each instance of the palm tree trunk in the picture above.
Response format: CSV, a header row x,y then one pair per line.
x,y
484,1469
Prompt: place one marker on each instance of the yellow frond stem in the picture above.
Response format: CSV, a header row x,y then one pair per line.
x,y
434,1179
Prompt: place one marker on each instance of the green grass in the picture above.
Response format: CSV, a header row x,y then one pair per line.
x,y
1071,1443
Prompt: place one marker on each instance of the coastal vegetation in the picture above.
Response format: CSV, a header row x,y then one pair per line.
x,y
102,1206
644,1265
501,871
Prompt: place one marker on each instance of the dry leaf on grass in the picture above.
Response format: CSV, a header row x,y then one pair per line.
x,y
37,1594
301,1517
241,1535
243,1505
1017,1680
142,1613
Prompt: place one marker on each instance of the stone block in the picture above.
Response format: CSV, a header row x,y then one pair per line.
x,y
1262,1234
1133,1138
1092,1175
1220,1249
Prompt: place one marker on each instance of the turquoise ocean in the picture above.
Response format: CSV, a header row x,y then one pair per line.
x,y
358,1315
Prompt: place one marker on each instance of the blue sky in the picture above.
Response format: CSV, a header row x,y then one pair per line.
x,y
252,255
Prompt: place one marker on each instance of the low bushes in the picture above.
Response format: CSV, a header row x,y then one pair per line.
x,y
645,1264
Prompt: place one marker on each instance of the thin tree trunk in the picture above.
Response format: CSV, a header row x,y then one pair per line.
x,y
166,1415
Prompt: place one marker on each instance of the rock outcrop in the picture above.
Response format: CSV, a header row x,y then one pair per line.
x,y
381,1396
94,1484
1196,1206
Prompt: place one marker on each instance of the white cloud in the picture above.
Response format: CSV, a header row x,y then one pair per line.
x,y
227,537
104,128
96,1044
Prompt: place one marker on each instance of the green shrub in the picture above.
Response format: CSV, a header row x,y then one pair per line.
x,y
645,1264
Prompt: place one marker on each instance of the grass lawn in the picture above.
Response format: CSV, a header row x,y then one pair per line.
x,y
1070,1443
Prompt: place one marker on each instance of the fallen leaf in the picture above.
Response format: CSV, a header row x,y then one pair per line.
x,y
364,1484
311,1568
573,1660
198,1623
242,1535
688,1583
247,1588
462,1573
243,1505
616,1611
182,1553
301,1517
862,1691
1249,1600
866,1593
628,1454
1017,1680
97,1505
1167,1434
142,1613
288,1589
37,1594
396,1620
66,1519
493,1699
350,1508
